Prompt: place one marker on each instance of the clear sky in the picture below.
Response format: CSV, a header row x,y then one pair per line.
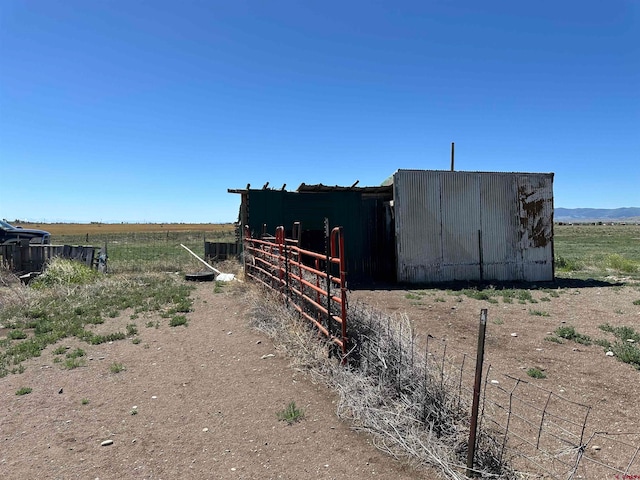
x,y
131,110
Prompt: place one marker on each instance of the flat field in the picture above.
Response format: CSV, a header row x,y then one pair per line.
x,y
83,229
138,247
588,250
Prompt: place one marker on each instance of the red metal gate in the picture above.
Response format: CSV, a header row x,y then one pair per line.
x,y
311,282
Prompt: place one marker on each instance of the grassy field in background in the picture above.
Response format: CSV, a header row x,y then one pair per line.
x,y
138,247
597,250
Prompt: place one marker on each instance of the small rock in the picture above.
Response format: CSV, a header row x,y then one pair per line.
x,y
495,382
106,443
631,340
538,349
514,334
575,349
609,353
153,397
258,342
135,407
229,333
268,355
596,447
205,429
60,391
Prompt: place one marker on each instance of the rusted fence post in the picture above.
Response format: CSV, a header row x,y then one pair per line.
x,y
476,393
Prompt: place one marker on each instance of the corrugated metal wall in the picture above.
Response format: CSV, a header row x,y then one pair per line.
x,y
473,226
368,241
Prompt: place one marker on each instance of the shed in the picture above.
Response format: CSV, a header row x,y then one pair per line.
x,y
363,212
423,226
473,226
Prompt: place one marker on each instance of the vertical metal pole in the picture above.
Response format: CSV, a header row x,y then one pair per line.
x,y
452,154
327,239
476,393
480,255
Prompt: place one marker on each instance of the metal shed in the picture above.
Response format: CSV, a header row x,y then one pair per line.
x,y
363,212
473,226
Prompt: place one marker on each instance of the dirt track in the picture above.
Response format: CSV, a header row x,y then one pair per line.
x,y
206,403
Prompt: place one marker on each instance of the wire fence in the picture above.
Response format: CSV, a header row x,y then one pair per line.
x,y
412,389
148,251
524,427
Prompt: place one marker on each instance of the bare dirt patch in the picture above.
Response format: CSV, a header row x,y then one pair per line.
x,y
517,340
192,402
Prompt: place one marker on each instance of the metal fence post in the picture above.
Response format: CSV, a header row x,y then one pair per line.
x,y
327,247
476,393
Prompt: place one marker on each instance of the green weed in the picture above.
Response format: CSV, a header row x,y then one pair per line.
x,y
623,332
78,352
17,334
627,353
74,362
291,414
536,373
24,391
218,287
550,338
62,271
178,320
620,263
117,367
570,333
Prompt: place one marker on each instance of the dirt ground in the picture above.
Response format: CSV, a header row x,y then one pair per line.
x,y
516,341
194,402
201,401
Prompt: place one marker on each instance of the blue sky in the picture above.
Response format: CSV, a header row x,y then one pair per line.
x,y
149,110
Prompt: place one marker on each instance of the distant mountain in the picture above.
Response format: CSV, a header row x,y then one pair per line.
x,y
627,214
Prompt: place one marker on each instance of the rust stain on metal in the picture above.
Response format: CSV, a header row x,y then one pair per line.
x,y
532,219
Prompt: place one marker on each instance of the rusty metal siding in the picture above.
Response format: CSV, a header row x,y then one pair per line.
x,y
473,226
535,202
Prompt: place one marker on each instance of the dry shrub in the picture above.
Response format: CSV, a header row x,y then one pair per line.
x,y
12,291
387,386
